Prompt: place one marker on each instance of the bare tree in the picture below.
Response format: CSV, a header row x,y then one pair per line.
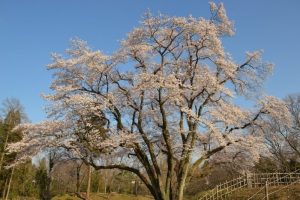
x,y
284,141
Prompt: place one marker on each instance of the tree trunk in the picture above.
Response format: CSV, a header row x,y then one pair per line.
x,y
99,182
89,183
175,193
4,189
9,183
182,181
180,191
78,179
105,184
119,184
48,189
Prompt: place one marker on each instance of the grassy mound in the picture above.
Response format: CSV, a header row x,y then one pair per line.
x,y
291,192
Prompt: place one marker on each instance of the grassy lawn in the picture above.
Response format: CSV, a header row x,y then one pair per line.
x,y
290,193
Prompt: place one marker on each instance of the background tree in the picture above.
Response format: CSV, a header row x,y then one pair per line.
x,y
51,157
43,181
24,182
168,92
12,113
284,141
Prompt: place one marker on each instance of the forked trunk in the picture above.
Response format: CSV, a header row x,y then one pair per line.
x,y
176,190
174,194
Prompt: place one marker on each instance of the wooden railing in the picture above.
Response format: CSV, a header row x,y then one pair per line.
x,y
253,180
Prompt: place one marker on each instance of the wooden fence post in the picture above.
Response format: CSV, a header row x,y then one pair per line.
x,y
266,190
249,180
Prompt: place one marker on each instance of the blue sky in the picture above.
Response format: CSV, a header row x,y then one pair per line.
x,y
30,30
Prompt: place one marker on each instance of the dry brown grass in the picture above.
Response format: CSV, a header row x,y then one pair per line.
x,y
100,196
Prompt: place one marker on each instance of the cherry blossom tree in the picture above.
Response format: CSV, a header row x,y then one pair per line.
x,y
168,92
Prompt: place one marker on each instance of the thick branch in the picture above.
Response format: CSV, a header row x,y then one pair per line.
x,y
126,168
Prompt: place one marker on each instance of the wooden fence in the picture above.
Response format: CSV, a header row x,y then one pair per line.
x,y
253,180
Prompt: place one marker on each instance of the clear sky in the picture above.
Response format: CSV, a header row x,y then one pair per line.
x,y
30,30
